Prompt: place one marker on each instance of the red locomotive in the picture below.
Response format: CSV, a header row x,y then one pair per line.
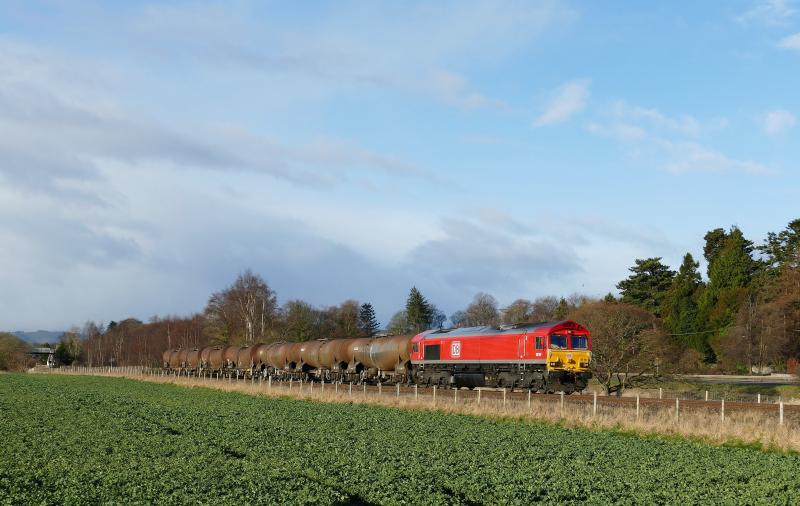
x,y
551,356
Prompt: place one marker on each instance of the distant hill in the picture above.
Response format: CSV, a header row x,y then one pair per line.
x,y
39,336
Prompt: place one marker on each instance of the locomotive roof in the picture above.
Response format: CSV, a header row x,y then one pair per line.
x,y
520,328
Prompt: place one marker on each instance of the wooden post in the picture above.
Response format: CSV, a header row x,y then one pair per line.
x,y
594,405
434,395
269,383
722,410
780,413
351,389
290,384
336,388
504,398
455,396
310,387
398,390
706,395
479,397
380,388
323,385
562,402
677,407
529,400
759,399
660,393
365,389
637,406
416,391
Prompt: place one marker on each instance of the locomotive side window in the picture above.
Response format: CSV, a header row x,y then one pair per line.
x,y
539,342
432,351
580,343
558,342
415,347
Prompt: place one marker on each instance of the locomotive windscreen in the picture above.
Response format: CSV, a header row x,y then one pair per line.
x,y
432,351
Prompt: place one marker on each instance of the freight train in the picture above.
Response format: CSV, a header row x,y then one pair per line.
x,y
541,357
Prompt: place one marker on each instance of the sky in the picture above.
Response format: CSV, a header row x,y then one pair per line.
x,y
150,152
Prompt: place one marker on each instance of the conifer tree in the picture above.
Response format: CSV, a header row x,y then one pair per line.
x,y
729,274
679,308
647,285
562,309
418,311
367,320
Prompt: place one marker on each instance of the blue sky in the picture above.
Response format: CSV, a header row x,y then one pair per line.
x,y
149,152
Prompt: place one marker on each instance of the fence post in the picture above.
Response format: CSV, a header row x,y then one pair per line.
x,y
269,382
434,395
290,384
594,404
706,395
323,385
562,402
398,390
660,393
336,388
479,397
780,413
455,396
759,399
380,388
351,389
365,389
504,398
722,410
637,406
310,387
529,400
416,391
677,407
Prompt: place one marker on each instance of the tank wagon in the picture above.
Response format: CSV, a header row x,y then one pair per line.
x,y
542,357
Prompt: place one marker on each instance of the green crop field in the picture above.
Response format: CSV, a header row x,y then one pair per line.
x,y
83,440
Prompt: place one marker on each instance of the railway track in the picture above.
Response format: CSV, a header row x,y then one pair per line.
x,y
497,395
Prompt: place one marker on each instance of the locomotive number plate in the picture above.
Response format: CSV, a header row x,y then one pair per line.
x,y
455,349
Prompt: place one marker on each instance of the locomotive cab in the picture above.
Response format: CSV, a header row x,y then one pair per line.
x,y
568,351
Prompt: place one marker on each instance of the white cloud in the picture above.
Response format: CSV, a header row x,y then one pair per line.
x,y
654,138
569,100
769,12
618,131
451,88
689,157
387,46
778,121
790,42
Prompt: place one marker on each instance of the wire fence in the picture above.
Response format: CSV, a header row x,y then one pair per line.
x,y
659,403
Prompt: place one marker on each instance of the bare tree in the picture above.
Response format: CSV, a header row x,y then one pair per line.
x,y
627,345
245,311
482,310
519,311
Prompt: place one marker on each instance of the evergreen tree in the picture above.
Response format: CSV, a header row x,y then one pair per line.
x,y
782,248
367,320
647,285
715,240
418,311
729,274
562,309
679,308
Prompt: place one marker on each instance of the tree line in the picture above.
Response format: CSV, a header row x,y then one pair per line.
x,y
743,315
